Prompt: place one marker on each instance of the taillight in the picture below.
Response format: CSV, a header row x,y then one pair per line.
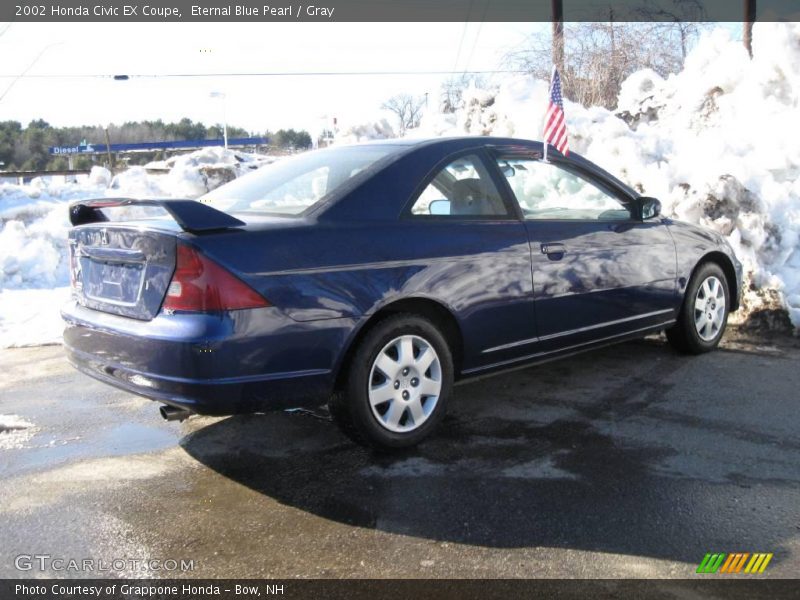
x,y
201,285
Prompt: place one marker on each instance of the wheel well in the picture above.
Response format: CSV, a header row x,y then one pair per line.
x,y
437,313
726,265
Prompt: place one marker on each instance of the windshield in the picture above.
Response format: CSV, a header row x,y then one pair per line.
x,y
293,185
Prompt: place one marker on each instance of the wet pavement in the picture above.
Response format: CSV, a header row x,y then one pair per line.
x,y
631,461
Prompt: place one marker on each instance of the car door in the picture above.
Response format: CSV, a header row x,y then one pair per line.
x,y
598,270
478,256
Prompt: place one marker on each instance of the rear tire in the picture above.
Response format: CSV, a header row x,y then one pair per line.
x,y
704,313
397,385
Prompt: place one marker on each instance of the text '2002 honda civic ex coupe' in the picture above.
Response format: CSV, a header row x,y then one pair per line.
x,y
372,277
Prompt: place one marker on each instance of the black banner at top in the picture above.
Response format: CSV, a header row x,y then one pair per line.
x,y
395,10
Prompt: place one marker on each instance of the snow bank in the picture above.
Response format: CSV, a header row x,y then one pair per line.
x,y
188,175
34,231
353,133
34,278
717,143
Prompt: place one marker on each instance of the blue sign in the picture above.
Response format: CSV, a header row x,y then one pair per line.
x,y
79,149
84,148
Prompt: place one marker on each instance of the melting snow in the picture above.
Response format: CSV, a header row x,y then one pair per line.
x,y
14,432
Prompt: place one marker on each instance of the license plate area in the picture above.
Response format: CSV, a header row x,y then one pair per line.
x,y
118,283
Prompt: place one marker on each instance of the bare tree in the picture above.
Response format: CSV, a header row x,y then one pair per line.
x,y
598,56
406,108
679,16
452,90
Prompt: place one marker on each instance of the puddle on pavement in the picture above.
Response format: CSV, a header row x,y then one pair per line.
x,y
47,451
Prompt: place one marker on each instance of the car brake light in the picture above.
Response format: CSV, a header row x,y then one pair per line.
x,y
201,285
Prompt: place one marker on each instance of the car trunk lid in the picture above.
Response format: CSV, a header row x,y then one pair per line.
x,y
121,270
123,267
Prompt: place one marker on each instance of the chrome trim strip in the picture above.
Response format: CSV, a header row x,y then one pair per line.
x,y
578,330
530,357
600,290
510,345
606,324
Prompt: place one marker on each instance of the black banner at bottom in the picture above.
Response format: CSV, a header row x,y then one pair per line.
x,y
371,589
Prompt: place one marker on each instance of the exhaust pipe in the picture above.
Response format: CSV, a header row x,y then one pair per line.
x,y
173,413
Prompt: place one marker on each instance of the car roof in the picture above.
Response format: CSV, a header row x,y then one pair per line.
x,y
456,143
451,144
425,141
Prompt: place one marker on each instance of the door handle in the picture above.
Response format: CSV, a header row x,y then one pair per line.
x,y
554,251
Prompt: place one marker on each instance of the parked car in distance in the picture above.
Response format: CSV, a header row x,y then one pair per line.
x,y
373,277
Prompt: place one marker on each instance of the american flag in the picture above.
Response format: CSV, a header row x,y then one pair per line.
x,y
555,126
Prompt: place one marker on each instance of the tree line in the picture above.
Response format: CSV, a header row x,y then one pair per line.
x,y
27,147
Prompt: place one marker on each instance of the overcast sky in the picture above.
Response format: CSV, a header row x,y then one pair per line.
x,y
61,86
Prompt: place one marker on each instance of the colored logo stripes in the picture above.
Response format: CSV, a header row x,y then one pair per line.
x,y
735,562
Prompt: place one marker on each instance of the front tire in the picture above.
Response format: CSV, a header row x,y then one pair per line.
x,y
704,314
397,386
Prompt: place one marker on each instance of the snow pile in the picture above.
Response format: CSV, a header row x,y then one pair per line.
x,y
34,278
15,432
717,143
362,132
34,229
187,175
510,111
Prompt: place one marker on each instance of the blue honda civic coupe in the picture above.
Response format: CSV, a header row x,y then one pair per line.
x,y
373,277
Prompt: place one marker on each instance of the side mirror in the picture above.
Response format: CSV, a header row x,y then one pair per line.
x,y
648,208
508,170
439,207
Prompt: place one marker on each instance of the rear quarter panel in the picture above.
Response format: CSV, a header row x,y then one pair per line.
x,y
326,271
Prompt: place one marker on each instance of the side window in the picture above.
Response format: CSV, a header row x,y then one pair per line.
x,y
463,188
546,191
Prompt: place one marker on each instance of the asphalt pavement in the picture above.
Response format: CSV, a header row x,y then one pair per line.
x,y
630,461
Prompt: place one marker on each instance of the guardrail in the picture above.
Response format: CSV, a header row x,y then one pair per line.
x,y
32,174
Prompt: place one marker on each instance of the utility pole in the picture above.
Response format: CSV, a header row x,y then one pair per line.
x,y
108,151
558,35
223,97
747,26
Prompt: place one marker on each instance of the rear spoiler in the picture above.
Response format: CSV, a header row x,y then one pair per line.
x,y
191,215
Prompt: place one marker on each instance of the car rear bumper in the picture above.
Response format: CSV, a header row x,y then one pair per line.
x,y
242,361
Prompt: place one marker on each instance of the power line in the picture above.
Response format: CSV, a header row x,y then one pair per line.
x,y
263,74
477,36
16,78
463,34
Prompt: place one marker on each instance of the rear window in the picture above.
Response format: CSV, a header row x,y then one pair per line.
x,y
292,185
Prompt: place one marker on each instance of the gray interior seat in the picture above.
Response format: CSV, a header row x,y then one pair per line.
x,y
469,197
